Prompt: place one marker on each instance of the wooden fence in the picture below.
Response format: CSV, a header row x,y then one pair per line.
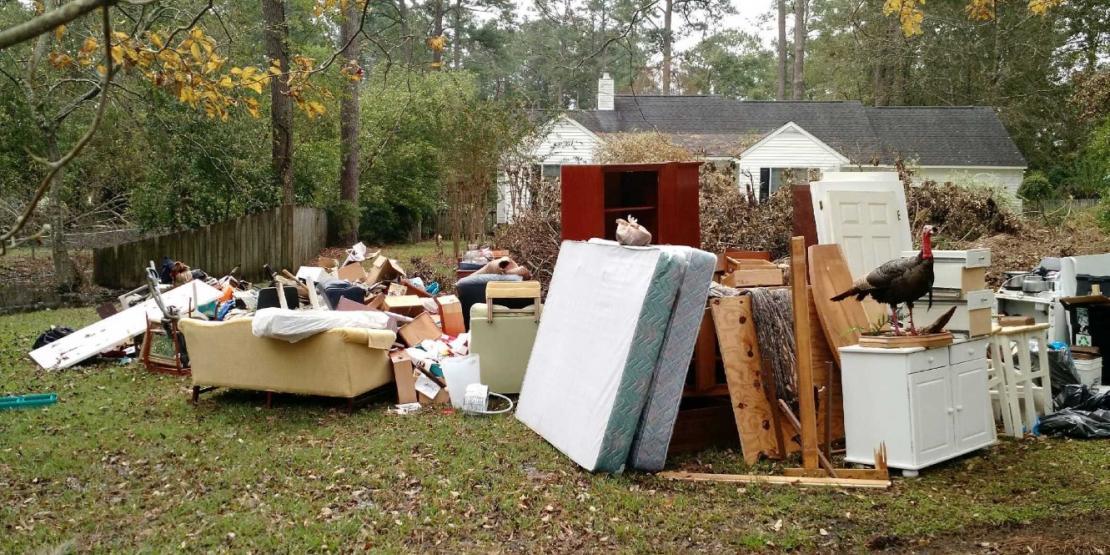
x,y
284,237
1057,205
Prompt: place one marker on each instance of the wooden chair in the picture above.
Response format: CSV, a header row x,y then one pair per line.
x,y
1016,388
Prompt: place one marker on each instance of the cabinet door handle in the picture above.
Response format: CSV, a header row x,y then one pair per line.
x,y
959,407
950,410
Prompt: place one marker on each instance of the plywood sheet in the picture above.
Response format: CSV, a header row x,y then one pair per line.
x,y
841,321
732,318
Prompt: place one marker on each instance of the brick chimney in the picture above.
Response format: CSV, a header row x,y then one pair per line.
x,y
605,92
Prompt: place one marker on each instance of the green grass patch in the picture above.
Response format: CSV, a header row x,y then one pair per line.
x,y
124,463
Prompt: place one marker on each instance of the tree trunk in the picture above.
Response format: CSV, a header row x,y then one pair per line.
x,y
403,15
456,42
281,104
66,278
437,31
668,42
780,93
348,124
799,49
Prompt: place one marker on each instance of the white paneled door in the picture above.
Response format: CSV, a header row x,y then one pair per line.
x,y
865,213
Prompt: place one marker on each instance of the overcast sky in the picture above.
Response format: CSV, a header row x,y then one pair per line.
x,y
746,18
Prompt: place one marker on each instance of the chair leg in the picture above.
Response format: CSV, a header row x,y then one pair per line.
x,y
269,399
1009,423
1025,361
196,394
1045,372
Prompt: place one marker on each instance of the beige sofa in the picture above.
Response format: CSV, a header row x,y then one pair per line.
x,y
344,362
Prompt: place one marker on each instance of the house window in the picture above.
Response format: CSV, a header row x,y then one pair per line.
x,y
772,179
551,171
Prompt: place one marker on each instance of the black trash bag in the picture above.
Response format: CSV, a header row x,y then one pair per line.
x,y
1080,424
1061,366
1082,397
51,335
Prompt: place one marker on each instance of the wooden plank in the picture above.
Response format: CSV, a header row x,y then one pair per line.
x,y
782,480
841,321
704,363
732,318
803,348
822,356
804,222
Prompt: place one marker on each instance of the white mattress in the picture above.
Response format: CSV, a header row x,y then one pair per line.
x,y
603,326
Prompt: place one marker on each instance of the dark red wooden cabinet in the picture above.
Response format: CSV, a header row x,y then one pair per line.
x,y
662,197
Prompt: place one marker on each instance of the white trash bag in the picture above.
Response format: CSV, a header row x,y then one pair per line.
x,y
631,233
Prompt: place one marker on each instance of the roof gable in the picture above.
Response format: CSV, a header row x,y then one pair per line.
x,y
791,126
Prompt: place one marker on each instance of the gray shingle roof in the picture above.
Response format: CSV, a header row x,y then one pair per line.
x,y
722,126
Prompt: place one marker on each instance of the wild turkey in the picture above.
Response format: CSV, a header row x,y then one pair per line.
x,y
902,280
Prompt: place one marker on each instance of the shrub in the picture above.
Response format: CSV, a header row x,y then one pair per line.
x,y
1036,186
641,148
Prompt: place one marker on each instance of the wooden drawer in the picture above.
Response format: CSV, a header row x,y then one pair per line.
x,y
971,350
928,359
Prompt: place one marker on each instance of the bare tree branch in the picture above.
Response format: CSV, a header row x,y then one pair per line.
x,y
57,165
50,20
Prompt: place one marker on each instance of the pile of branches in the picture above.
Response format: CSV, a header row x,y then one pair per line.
x,y
534,235
734,219
963,212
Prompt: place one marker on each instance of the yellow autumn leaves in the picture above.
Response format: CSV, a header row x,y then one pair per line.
x,y
193,71
910,14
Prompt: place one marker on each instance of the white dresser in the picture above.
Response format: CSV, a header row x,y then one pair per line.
x,y
927,405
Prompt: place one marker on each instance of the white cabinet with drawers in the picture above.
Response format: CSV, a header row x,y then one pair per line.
x,y
927,405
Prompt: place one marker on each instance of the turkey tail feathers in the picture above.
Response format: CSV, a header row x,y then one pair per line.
x,y
846,294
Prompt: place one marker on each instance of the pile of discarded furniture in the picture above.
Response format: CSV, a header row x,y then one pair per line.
x,y
637,352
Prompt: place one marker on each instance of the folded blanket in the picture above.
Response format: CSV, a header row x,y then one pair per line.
x,y
295,325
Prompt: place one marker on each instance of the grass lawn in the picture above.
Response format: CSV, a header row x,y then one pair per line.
x,y
122,463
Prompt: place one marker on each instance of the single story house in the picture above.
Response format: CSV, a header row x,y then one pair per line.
x,y
966,144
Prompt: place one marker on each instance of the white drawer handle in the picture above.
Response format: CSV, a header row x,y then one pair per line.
x,y
959,407
930,359
950,411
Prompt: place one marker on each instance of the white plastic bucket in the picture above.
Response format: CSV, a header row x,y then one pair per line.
x,y
1089,370
459,373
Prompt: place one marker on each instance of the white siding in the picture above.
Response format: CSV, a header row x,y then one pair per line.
x,y
566,142
563,142
789,149
1006,178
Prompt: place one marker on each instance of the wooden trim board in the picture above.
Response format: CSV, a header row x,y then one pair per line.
x,y
783,480
803,351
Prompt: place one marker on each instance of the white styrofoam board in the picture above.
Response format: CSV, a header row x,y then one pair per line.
x,y
118,328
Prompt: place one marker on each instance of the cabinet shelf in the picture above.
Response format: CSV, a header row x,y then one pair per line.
x,y
629,209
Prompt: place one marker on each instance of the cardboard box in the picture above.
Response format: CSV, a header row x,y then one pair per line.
x,y
421,328
407,305
383,269
347,305
396,290
353,273
450,313
425,385
403,374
